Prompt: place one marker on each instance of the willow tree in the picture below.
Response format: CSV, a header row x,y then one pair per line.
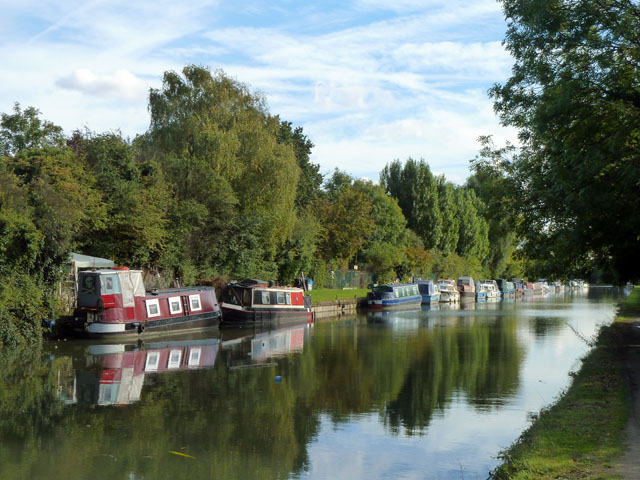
x,y
234,182
574,95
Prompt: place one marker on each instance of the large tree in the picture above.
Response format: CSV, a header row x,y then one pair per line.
x,y
233,176
574,95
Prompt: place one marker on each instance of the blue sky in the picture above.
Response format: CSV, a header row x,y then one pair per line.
x,y
369,81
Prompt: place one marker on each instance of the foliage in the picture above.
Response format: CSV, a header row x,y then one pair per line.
x,y
226,158
24,130
574,96
134,195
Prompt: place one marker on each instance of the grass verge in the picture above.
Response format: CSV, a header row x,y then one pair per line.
x,y
330,295
582,435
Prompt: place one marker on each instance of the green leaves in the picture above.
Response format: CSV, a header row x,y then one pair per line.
x,y
575,96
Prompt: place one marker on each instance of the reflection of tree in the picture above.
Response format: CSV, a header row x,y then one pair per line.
x,y
242,423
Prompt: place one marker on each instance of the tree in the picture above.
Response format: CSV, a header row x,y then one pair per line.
x,y
310,176
135,196
23,130
574,95
229,168
416,190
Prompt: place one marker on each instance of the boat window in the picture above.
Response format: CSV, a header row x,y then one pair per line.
x,y
153,308
175,305
153,359
194,301
396,292
288,298
246,297
194,356
280,298
89,285
266,299
174,359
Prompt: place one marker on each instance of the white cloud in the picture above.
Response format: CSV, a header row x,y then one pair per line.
x,y
122,83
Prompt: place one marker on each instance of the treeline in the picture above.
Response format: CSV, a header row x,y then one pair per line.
x,y
220,187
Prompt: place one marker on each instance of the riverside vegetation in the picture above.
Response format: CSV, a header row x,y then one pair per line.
x,y
220,187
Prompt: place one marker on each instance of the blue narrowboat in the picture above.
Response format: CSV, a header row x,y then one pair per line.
x,y
394,295
481,292
429,291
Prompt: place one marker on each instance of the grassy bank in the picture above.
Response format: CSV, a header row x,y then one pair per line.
x,y
330,295
583,434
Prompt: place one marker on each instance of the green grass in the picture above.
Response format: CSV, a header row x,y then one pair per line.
x,y
330,295
582,435
630,310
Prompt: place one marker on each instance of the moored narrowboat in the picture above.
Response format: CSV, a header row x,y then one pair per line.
x,y
481,292
448,291
394,295
257,302
507,289
114,302
467,288
429,291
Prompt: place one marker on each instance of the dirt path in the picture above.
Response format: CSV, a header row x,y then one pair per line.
x,y
629,465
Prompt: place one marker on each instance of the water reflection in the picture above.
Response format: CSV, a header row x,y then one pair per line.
x,y
423,393
114,374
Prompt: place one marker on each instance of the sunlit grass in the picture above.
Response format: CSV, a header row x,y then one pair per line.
x,y
330,295
582,435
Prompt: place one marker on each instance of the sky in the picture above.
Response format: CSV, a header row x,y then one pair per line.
x,y
369,81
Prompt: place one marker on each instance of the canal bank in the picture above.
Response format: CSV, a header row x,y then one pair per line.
x,y
593,430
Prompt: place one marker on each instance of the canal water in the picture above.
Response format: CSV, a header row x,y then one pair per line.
x,y
426,393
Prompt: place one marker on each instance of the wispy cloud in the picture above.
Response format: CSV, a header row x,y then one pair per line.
x,y
368,80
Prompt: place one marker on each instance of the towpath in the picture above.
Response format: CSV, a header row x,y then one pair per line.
x,y
629,464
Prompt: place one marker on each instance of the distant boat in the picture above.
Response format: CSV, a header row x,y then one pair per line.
x,y
467,288
394,295
256,302
481,292
429,291
448,291
507,289
491,288
114,302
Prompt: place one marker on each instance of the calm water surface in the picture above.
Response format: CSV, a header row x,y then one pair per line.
x,y
430,393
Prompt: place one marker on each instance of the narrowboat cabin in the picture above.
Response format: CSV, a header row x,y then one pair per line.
x,y
481,292
394,295
258,302
448,291
114,302
491,287
429,291
506,288
467,288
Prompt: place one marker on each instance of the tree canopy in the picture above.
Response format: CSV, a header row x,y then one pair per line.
x,y
574,95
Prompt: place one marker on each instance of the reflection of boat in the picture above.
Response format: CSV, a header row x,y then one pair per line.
x,y
429,291
394,295
114,302
252,350
117,373
448,291
255,301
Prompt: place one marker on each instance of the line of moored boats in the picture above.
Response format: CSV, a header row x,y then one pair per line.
x,y
429,292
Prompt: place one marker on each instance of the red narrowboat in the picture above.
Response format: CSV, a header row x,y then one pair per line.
x,y
256,302
114,302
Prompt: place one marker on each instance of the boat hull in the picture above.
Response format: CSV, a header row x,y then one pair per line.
x,y
379,304
80,327
232,315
